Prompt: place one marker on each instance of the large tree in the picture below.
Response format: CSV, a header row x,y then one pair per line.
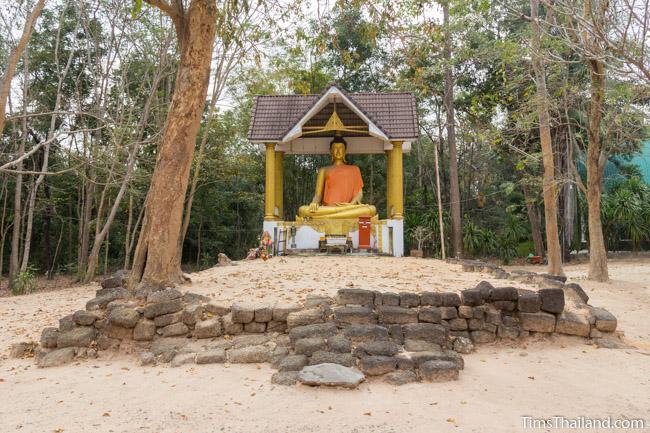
x,y
157,261
549,186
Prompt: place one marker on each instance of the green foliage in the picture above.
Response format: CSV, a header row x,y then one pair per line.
x,y
24,282
625,213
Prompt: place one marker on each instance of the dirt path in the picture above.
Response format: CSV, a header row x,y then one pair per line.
x,y
498,386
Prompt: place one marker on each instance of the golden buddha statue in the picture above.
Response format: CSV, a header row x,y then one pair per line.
x,y
339,189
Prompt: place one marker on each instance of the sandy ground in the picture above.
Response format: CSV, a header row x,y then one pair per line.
x,y
500,384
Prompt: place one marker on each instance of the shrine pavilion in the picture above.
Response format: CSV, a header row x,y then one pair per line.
x,y
335,122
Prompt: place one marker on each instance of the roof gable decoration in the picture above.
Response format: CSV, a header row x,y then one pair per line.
x,y
297,130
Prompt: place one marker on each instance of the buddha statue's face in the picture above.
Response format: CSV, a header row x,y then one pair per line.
x,y
337,151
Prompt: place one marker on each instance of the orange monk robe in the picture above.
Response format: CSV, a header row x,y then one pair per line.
x,y
342,183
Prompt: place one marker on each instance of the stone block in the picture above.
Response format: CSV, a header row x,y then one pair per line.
x,y
57,357
492,316
463,345
438,371
475,324
322,357
255,327
281,311
160,308
285,378
242,313
66,323
529,302
183,358
396,333
318,301
484,288
450,299
263,314
390,299
465,312
464,334
552,300
218,308
229,327
330,375
430,332
404,361
378,300
293,363
430,315
508,332
109,295
305,317
605,321
490,327
144,330
448,313
397,315
307,346
537,322
401,377
433,299
573,323
322,330
212,356
420,358
458,324
471,297
420,346
81,336
359,333
504,294
379,347
576,293
377,365
482,336
354,315
274,326
192,313
409,299
84,318
175,329
168,319
504,305
250,355
208,328
339,344
355,297
163,296
49,337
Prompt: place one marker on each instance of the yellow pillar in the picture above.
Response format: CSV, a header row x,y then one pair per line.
x,y
269,184
389,183
397,176
279,184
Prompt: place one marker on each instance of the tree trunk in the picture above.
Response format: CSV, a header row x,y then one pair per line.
x,y
14,257
554,251
533,217
157,261
441,225
596,160
12,60
456,227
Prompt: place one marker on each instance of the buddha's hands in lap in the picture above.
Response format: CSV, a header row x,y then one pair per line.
x,y
313,206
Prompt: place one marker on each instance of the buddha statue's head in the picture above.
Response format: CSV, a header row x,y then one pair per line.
x,y
338,148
